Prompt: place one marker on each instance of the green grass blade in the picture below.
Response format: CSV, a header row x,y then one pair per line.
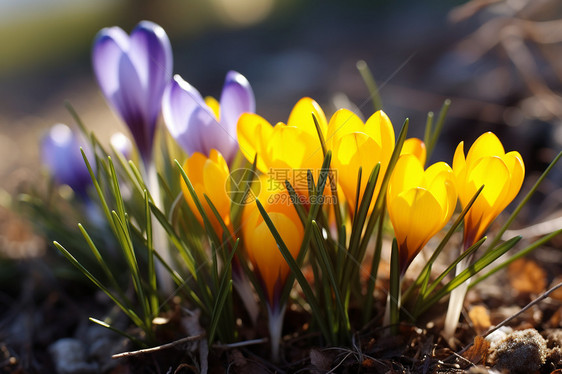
x,y
377,210
394,292
517,256
327,269
469,272
296,202
101,261
129,312
208,227
369,297
438,127
370,83
428,128
312,214
472,249
151,269
295,270
120,332
423,277
224,289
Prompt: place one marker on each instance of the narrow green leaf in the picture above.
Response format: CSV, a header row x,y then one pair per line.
x,y
370,83
369,297
129,312
438,127
224,289
151,272
101,261
469,272
312,214
469,251
327,269
295,198
295,270
423,277
377,210
120,332
394,292
428,128
208,227
517,256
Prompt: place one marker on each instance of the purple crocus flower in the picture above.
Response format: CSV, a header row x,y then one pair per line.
x,y
60,151
132,72
199,127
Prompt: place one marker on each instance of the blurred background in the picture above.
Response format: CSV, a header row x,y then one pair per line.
x,y
499,61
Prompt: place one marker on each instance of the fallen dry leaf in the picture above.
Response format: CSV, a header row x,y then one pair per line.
x,y
478,352
526,276
480,317
557,294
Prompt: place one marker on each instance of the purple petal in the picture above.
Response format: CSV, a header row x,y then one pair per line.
x,y
179,103
151,53
60,150
132,73
110,44
237,97
209,134
131,105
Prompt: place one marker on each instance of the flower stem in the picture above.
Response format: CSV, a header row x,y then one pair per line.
x,y
242,286
456,301
158,233
275,325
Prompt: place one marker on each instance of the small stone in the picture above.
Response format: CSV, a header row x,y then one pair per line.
x,y
70,358
522,351
495,337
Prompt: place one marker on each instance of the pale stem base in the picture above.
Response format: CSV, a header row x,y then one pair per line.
x,y
242,286
159,237
388,318
275,325
456,301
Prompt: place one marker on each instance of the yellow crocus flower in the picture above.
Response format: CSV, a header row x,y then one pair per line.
x,y
356,144
208,175
284,150
416,147
260,245
501,174
420,203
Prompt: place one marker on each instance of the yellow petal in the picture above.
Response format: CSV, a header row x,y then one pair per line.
x,y
254,133
415,147
416,217
487,145
301,117
459,161
408,173
379,127
214,105
351,152
215,175
343,122
516,167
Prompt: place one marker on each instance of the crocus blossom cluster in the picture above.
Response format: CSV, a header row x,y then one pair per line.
x,y
135,74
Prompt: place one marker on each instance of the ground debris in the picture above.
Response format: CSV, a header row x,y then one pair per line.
x,y
523,351
478,353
